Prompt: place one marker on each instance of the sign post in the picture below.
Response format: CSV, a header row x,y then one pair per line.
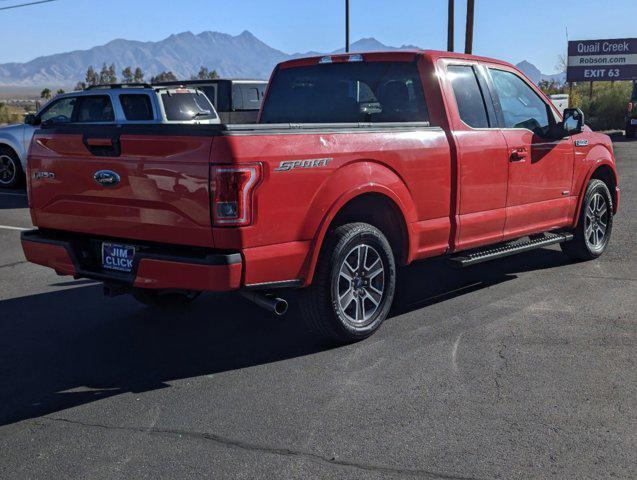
x,y
602,60
346,26
468,41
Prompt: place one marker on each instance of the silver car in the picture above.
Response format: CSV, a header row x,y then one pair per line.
x,y
119,104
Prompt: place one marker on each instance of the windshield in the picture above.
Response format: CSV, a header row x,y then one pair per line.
x,y
346,92
187,105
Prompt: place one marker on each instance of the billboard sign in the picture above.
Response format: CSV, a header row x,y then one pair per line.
x,y
602,60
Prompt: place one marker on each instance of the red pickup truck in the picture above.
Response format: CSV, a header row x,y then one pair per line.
x,y
359,163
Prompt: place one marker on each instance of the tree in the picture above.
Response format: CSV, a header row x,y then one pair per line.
x,y
45,94
80,86
112,75
127,75
562,63
163,77
92,78
205,74
107,75
60,91
138,76
551,87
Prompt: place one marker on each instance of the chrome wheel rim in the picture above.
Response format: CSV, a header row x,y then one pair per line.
x,y
360,285
7,170
596,221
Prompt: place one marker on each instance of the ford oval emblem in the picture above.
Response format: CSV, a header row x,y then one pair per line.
x,y
106,178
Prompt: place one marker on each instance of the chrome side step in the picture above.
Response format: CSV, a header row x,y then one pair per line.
x,y
467,259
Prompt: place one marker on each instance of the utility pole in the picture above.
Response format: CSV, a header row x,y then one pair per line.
x,y
347,26
450,17
468,42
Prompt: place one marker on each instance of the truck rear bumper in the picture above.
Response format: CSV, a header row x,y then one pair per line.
x,y
152,267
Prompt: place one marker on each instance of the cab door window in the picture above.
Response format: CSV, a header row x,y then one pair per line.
x,y
60,111
521,106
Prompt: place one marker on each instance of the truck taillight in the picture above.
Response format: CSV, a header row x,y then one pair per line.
x,y
231,189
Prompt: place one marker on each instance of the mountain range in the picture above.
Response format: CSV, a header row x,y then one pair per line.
x,y
243,56
536,75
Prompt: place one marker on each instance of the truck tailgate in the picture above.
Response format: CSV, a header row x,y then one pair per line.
x,y
152,187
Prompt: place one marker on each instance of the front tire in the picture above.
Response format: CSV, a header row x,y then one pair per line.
x,y
11,174
353,286
595,224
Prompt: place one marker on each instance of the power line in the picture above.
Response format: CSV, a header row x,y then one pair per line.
x,y
26,4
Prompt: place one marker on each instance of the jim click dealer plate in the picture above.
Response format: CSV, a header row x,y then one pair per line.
x,y
117,257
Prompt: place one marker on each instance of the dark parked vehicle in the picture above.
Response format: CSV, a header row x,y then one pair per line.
x,y
236,101
631,114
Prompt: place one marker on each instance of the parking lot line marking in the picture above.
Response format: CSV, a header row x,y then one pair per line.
x,y
9,227
14,194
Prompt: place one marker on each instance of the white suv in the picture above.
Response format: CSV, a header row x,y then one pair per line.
x,y
119,104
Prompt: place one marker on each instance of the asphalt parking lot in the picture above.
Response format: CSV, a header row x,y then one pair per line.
x,y
520,368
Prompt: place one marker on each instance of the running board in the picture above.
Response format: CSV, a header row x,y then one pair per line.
x,y
468,259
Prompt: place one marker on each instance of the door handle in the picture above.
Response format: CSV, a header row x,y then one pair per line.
x,y
99,142
103,146
518,154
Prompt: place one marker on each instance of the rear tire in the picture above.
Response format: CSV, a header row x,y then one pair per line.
x,y
353,285
159,299
595,224
11,173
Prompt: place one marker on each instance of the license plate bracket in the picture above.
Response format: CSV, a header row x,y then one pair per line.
x,y
118,257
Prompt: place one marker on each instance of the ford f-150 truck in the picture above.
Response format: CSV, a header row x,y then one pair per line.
x,y
359,163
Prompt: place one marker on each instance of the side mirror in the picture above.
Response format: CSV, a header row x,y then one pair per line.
x,y
573,121
29,119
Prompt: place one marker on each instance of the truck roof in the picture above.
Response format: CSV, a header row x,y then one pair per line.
x,y
393,55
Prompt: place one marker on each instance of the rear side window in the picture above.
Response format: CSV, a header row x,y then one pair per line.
x,y
246,96
251,98
186,105
471,104
95,108
346,92
136,107
521,106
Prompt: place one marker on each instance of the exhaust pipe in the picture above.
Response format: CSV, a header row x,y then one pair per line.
x,y
276,305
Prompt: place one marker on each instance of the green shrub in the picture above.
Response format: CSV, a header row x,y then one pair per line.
x,y
9,115
606,109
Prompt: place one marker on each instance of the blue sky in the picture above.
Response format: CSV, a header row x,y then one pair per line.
x,y
513,30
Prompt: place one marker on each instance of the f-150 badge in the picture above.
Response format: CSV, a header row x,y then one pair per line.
x,y
288,165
